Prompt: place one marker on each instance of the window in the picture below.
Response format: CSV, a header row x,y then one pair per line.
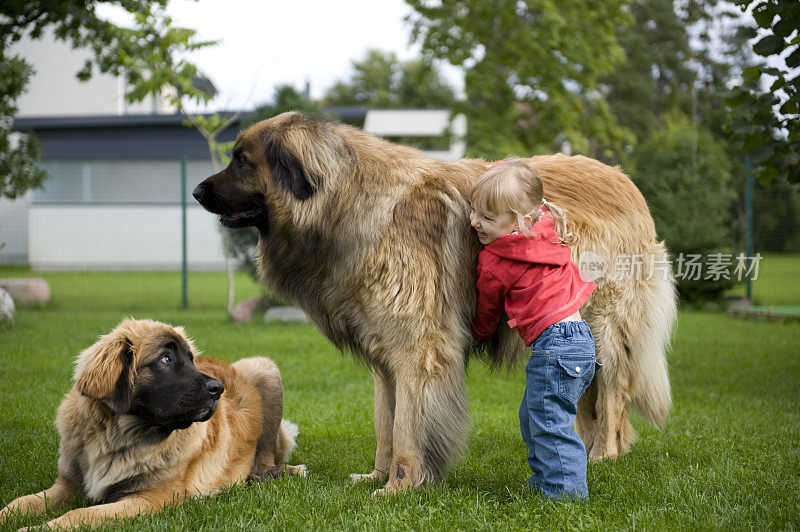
x,y
119,182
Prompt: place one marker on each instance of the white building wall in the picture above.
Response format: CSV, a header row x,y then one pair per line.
x,y
54,90
14,229
119,237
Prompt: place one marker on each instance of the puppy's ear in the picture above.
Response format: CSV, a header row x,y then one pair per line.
x,y
288,171
104,371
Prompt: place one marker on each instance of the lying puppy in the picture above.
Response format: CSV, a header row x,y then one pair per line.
x,y
146,425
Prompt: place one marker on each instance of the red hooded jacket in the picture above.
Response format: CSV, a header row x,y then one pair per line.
x,y
532,279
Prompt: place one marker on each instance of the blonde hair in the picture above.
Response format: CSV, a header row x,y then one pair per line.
x,y
514,187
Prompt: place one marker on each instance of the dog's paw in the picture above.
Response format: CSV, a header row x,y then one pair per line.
x,y
355,478
300,470
388,492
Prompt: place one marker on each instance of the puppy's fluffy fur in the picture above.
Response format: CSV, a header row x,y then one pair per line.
x,y
147,424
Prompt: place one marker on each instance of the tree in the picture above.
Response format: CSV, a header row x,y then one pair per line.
x,y
381,80
685,175
18,153
655,76
74,21
532,69
766,121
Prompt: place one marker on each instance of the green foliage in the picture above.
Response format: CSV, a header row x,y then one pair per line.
x,y
381,80
776,224
765,122
18,152
532,69
655,76
152,56
74,21
685,175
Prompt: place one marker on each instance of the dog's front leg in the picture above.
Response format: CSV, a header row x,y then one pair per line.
x,y
405,470
145,502
384,421
37,503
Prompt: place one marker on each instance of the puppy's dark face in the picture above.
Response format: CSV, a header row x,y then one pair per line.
x,y
168,390
270,172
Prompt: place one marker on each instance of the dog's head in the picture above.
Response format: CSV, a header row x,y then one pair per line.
x,y
276,166
146,368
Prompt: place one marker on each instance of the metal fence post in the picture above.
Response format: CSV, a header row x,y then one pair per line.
x,y
748,223
184,273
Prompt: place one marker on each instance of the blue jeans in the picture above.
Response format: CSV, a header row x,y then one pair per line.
x,y
560,369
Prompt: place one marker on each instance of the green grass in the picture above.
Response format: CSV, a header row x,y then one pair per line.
x,y
727,459
778,281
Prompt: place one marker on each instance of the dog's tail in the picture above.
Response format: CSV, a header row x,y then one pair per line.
x,y
287,441
657,313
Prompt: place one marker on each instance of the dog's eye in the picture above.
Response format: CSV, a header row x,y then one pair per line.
x,y
166,358
242,162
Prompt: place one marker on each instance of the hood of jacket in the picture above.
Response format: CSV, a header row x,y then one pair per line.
x,y
541,247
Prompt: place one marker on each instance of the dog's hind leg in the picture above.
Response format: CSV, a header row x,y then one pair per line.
x,y
604,426
286,442
632,321
264,375
37,503
384,421
586,420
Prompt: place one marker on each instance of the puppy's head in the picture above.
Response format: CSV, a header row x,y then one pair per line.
x,y
146,368
277,166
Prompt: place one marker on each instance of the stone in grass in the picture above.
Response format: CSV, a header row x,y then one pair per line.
x,y
244,311
26,291
285,314
6,306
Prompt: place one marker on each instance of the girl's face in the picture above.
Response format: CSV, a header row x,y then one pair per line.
x,y
490,225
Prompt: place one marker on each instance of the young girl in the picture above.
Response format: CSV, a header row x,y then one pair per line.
x,y
524,269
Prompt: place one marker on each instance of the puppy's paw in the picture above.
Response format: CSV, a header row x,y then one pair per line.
x,y
299,470
388,492
355,478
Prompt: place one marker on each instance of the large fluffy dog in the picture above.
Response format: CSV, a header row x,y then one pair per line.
x,y
146,424
373,241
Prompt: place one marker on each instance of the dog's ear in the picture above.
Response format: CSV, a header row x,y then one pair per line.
x,y
289,172
306,153
104,371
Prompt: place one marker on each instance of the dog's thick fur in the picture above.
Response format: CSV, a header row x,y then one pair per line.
x,y
127,448
373,241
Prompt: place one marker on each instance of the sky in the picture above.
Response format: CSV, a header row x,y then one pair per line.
x,y
267,43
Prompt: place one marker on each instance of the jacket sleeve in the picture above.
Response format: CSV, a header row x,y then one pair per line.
x,y
490,306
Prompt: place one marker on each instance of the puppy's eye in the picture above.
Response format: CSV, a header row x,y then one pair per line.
x,y
241,161
166,358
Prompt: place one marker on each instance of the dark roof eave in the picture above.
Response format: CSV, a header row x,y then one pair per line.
x,y
355,113
80,122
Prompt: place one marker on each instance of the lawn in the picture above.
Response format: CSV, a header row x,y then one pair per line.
x,y
778,281
727,459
